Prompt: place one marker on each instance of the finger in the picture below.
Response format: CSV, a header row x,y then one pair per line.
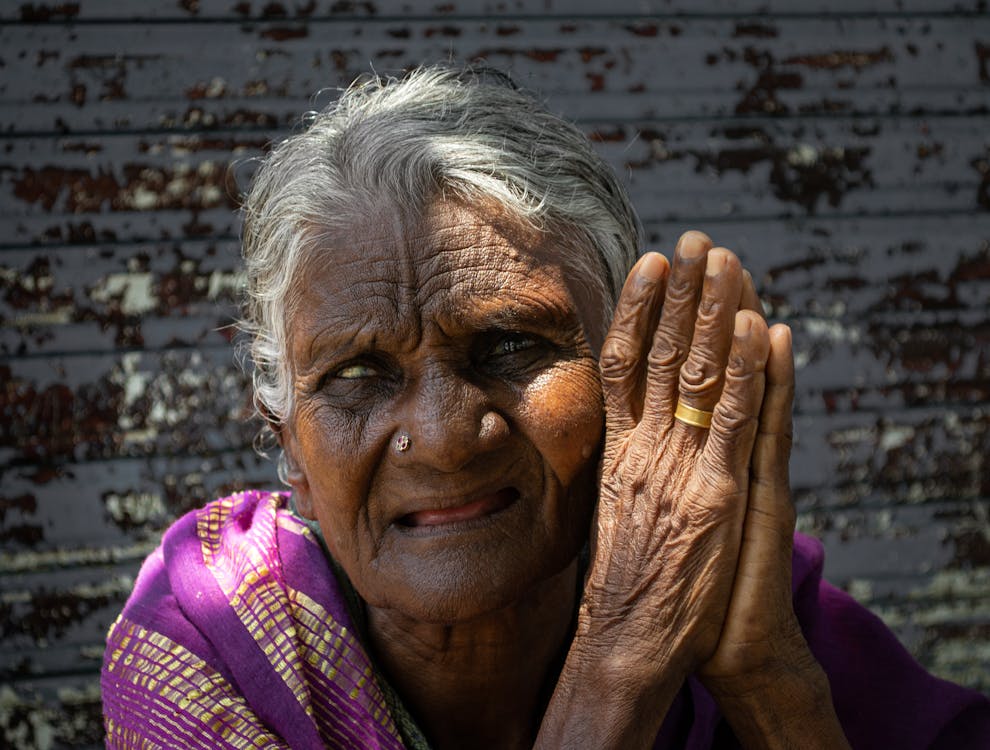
x,y
628,340
750,299
770,500
703,372
760,618
672,339
763,572
736,415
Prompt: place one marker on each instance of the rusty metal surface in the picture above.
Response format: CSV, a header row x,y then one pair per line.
x,y
844,153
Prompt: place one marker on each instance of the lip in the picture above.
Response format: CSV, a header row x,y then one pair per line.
x,y
455,514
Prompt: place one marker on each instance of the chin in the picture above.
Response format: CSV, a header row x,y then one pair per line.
x,y
451,591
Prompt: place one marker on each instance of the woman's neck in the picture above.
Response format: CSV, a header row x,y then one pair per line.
x,y
485,682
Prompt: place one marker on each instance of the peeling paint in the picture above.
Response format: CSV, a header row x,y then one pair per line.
x,y
844,155
133,291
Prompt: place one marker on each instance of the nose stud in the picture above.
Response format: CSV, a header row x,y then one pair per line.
x,y
402,442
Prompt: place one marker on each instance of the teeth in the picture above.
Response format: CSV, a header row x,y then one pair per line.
x,y
481,507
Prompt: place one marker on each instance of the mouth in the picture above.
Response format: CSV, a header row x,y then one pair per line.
x,y
479,508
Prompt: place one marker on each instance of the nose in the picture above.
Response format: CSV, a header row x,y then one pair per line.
x,y
450,421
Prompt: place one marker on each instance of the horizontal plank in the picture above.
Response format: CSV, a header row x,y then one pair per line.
x,y
934,596
74,612
177,401
907,542
108,10
145,295
924,453
137,187
716,66
849,464
860,279
53,713
47,512
134,404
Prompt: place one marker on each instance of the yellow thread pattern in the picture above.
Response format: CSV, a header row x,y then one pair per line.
x,y
161,676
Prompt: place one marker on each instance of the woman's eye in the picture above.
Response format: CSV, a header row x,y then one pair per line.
x,y
355,372
513,344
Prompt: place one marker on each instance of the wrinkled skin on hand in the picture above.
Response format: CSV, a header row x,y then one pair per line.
x,y
673,496
690,568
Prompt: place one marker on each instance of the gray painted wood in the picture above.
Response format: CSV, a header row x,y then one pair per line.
x,y
843,152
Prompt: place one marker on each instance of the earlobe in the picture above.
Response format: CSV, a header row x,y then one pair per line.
x,y
294,475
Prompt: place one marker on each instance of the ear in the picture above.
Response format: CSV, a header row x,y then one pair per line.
x,y
295,472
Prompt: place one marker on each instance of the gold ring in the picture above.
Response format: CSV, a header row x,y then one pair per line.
x,y
690,415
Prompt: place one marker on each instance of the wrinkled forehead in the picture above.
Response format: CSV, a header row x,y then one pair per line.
x,y
443,258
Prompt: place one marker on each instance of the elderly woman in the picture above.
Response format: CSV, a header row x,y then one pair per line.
x,y
539,488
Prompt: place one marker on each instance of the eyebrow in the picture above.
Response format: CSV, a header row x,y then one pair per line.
x,y
498,311
474,313
332,340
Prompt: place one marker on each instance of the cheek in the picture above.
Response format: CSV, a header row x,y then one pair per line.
x,y
565,417
333,460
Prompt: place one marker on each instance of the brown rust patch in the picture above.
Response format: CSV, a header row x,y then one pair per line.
x,y
158,406
616,134
832,174
140,188
285,33
50,613
353,8
537,54
56,423
33,288
804,174
761,97
24,504
983,60
590,53
643,28
446,31
753,29
842,59
82,147
22,532
42,12
110,71
982,167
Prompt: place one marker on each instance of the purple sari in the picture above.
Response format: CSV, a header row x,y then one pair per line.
x,y
238,634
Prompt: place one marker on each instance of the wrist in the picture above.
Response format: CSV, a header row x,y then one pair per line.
x,y
607,697
788,704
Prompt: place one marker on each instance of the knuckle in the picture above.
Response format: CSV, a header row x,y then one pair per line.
x,y
617,359
730,416
681,291
735,425
699,376
665,354
709,313
741,367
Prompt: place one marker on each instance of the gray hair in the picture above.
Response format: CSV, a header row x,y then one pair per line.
x,y
465,134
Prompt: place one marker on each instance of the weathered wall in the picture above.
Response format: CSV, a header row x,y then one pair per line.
x,y
845,154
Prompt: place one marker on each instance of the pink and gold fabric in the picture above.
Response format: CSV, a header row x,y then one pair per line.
x,y
237,635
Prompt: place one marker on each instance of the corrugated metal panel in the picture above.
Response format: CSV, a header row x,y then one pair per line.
x,y
845,154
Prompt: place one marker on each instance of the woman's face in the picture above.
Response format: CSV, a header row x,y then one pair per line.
x,y
466,333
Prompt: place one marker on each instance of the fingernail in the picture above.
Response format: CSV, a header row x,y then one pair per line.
x,y
716,262
651,267
691,246
743,326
